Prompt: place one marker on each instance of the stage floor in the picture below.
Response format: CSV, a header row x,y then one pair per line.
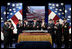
x,y
13,45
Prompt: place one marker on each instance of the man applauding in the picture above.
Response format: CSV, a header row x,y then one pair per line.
x,y
43,24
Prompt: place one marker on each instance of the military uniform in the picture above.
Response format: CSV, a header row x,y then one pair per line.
x,y
58,34
51,31
66,34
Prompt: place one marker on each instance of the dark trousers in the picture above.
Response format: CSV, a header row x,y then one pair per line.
x,y
58,38
66,41
58,42
6,43
52,34
18,32
6,39
10,37
10,42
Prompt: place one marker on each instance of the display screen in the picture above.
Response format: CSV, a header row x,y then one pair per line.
x,y
37,12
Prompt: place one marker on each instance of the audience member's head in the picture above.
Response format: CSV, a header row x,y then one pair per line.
x,y
9,22
5,22
65,19
25,20
57,22
34,20
43,20
19,21
50,21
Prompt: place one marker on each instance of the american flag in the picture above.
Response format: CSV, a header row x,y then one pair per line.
x,y
14,13
3,18
35,12
3,15
57,11
68,15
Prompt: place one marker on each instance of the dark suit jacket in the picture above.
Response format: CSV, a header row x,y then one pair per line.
x,y
59,30
51,30
26,27
66,29
5,30
35,28
8,32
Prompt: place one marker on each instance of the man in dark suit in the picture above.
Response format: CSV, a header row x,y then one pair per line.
x,y
35,25
43,24
58,34
26,25
66,32
51,29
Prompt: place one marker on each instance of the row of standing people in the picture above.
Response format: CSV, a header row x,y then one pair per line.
x,y
31,26
56,30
